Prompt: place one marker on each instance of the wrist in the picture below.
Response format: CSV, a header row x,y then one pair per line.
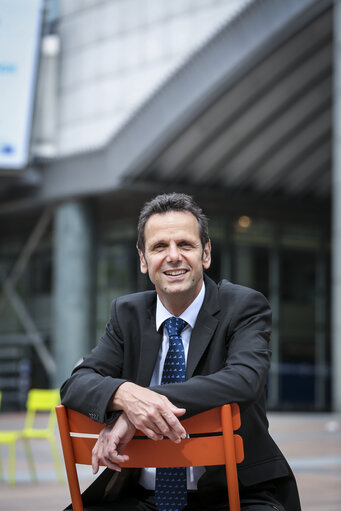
x,y
129,424
119,397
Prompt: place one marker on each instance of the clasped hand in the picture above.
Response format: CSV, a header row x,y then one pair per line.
x,y
111,443
142,409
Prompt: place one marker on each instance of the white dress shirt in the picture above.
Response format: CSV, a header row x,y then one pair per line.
x,y
147,478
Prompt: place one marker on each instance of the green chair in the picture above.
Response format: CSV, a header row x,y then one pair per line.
x,y
38,400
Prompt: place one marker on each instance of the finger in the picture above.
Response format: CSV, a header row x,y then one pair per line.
x,y
174,437
114,463
176,431
95,464
166,424
162,425
114,457
170,428
151,424
113,466
150,433
97,455
178,411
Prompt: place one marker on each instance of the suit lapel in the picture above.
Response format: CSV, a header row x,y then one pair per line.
x,y
204,328
150,345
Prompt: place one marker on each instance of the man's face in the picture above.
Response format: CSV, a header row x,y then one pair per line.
x,y
174,257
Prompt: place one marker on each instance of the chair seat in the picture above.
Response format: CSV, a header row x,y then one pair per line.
x,y
9,436
36,433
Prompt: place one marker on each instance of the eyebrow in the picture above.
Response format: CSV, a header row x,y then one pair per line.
x,y
166,242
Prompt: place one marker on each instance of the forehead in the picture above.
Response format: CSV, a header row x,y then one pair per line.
x,y
171,225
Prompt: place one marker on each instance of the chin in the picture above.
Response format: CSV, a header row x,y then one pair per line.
x,y
173,290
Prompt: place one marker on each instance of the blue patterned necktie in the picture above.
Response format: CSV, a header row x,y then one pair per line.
x,y
171,483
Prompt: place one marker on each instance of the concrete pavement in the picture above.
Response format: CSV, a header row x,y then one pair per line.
x,y
311,443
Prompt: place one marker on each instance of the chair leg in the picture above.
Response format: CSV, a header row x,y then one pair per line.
x,y
230,459
30,460
56,458
2,477
11,462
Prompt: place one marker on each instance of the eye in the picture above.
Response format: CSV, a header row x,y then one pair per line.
x,y
185,244
159,246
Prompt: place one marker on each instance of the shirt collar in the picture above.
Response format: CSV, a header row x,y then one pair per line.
x,y
189,315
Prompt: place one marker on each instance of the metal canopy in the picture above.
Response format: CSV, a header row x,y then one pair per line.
x,y
267,132
250,112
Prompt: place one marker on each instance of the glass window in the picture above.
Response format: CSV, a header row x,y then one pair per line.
x,y
297,327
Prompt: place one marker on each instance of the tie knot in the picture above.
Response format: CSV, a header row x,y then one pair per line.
x,y
175,326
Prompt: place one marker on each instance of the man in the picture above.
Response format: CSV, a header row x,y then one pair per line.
x,y
224,345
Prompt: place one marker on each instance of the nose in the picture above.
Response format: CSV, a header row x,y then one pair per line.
x,y
174,253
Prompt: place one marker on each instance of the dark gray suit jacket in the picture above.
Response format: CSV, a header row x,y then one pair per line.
x,y
228,361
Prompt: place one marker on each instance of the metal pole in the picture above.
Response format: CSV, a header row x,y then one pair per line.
x,y
336,216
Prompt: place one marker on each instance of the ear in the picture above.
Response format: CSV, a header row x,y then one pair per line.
x,y
143,263
206,256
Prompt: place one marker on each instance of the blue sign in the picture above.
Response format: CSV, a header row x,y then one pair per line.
x,y
20,34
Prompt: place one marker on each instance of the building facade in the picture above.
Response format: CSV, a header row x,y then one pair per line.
x,y
234,105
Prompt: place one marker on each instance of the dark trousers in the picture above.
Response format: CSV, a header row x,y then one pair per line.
x,y
258,499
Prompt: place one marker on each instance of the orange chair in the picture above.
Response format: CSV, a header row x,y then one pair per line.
x,y
78,437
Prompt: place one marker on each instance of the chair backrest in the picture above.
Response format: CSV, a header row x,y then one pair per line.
x,y
41,400
213,443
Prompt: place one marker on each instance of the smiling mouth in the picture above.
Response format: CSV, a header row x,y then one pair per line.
x,y
175,273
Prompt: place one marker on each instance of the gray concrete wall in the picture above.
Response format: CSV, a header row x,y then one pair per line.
x,y
115,53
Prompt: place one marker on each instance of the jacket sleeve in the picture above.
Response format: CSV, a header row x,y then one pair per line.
x,y
243,375
94,381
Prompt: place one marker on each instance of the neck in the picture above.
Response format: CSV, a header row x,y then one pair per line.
x,y
176,309
177,304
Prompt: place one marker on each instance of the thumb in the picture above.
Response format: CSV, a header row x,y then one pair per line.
x,y
178,411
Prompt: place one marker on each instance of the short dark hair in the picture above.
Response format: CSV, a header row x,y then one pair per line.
x,y
165,203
